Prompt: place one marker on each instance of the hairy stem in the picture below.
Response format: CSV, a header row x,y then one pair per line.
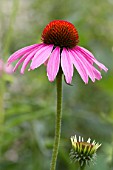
x,y
58,121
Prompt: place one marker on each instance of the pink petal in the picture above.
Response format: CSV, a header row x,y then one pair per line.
x,y
90,56
97,74
66,65
41,56
86,51
21,52
27,60
79,66
53,64
24,57
101,66
20,61
45,63
89,68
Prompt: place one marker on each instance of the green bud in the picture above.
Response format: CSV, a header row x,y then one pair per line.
x,y
83,152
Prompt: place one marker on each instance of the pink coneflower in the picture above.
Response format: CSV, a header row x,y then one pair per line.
x,y
4,68
59,49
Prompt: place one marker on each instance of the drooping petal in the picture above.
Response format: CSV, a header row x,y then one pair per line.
x,y
67,65
27,60
84,52
21,52
20,61
90,57
87,65
53,64
97,74
100,65
79,66
45,63
24,57
41,56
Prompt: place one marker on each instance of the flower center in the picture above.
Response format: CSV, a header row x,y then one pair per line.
x,y
60,33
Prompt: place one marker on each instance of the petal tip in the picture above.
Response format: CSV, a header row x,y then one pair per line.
x,y
21,72
50,78
14,70
29,69
106,69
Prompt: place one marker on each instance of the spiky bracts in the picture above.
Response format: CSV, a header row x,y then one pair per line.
x,y
83,152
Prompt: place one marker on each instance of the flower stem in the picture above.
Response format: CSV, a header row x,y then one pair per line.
x,y
58,120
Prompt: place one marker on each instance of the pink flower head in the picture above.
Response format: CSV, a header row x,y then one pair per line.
x,y
59,49
5,68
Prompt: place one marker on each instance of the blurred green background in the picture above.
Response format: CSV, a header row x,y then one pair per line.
x,y
28,102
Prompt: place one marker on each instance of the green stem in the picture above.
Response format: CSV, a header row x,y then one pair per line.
x,y
82,167
58,121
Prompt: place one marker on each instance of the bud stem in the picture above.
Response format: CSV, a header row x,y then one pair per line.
x,y
82,167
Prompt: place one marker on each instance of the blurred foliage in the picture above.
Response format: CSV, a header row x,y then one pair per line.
x,y
27,130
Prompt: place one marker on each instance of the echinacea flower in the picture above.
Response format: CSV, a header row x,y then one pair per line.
x,y
4,68
83,152
59,49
